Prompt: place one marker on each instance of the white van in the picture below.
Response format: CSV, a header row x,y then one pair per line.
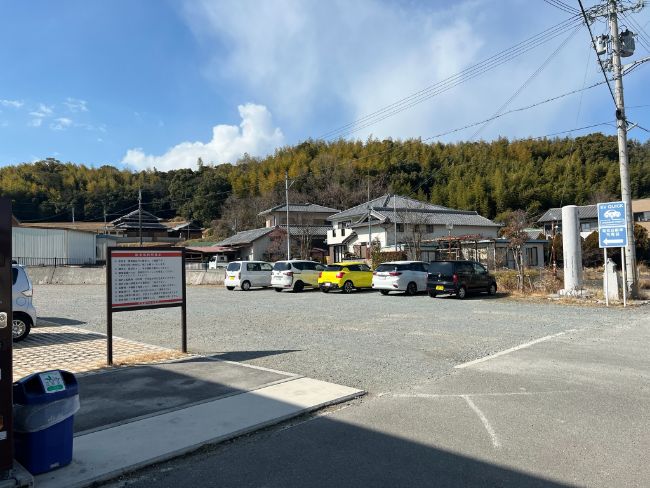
x,y
248,274
24,313
217,261
295,274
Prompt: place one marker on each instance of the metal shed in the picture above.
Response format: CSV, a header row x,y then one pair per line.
x,y
33,246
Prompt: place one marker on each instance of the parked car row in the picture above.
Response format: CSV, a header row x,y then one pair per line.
x,y
410,277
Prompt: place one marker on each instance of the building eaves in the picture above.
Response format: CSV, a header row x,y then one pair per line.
x,y
245,237
300,207
555,214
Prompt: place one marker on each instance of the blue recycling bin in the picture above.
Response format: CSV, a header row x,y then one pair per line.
x,y
44,408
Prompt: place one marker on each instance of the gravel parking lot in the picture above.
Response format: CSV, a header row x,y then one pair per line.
x,y
567,410
363,340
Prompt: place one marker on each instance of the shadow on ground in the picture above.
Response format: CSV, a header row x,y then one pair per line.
x,y
48,339
54,321
248,355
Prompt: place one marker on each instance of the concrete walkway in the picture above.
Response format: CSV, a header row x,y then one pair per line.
x,y
141,415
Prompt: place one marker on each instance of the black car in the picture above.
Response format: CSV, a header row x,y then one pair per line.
x,y
459,278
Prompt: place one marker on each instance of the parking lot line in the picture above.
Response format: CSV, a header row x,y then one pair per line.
x,y
486,423
512,349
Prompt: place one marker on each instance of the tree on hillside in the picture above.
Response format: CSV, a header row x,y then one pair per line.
x,y
514,230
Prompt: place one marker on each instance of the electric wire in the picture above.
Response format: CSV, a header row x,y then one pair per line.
x,y
528,81
453,80
562,6
593,42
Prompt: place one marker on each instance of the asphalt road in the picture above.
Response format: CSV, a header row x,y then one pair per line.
x,y
569,410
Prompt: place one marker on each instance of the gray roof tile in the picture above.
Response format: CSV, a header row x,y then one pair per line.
x,y
300,207
245,237
555,214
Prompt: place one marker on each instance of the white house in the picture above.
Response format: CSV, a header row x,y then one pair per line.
x,y
401,223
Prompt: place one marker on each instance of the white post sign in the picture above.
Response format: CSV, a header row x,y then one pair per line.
x,y
144,278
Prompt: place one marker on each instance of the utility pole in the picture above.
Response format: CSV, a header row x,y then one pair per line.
x,y
105,225
369,250
621,129
140,215
395,219
73,213
609,10
286,196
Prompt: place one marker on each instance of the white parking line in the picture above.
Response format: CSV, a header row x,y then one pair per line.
x,y
486,423
512,349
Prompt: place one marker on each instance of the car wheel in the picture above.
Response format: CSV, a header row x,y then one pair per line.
x,y
348,286
20,327
278,289
432,294
246,285
461,293
231,288
383,292
298,287
492,290
411,289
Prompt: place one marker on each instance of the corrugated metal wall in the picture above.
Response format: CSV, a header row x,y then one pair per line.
x,y
33,246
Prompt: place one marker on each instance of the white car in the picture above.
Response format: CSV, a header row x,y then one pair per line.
x,y
24,313
217,262
295,274
406,276
248,274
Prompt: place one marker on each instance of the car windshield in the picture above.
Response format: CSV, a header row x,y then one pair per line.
x,y
282,266
441,268
333,267
388,267
233,267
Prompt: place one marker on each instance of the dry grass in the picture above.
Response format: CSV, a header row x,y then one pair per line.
x,y
148,358
536,282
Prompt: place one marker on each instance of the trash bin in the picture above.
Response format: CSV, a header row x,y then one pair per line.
x,y
44,408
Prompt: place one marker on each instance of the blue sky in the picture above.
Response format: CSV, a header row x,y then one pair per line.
x,y
159,83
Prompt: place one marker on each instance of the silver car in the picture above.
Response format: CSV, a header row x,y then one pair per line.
x,y
24,313
406,276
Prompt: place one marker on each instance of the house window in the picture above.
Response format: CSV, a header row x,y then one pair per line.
x,y
416,228
400,227
531,256
429,228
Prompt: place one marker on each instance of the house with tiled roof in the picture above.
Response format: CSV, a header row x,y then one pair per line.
x,y
400,223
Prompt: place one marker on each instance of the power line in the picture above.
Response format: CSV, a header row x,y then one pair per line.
x,y
528,81
562,6
520,109
454,80
593,42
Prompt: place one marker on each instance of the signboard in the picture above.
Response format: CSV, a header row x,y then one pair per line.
x,y
6,343
140,278
52,381
146,279
612,228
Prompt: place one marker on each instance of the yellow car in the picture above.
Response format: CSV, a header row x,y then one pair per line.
x,y
345,276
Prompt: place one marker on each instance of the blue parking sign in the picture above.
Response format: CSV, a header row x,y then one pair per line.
x,y
612,224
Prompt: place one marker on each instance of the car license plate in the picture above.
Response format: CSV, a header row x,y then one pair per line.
x,y
231,277
327,285
440,287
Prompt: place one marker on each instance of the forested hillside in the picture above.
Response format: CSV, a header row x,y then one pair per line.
x,y
490,177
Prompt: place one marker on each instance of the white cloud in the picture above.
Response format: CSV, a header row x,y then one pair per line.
x,y
62,123
255,136
11,103
41,112
76,105
337,61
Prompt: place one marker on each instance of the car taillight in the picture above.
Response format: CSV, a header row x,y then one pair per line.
x,y
374,273
288,273
238,275
320,275
340,274
455,278
395,273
